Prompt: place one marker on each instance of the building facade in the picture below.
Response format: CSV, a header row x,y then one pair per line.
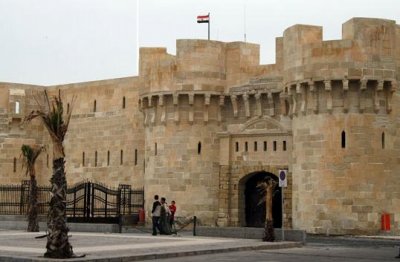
x,y
204,126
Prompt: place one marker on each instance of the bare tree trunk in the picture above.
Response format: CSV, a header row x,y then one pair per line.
x,y
269,234
58,245
33,223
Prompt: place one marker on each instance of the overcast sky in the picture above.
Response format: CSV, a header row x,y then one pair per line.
x,y
47,42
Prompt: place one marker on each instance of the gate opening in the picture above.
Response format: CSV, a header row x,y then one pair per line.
x,y
255,209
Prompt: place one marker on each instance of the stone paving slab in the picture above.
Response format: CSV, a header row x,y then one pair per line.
x,y
109,247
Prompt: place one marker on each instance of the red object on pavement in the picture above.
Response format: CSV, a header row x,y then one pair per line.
x,y
141,215
385,221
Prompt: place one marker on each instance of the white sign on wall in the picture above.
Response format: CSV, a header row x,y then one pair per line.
x,y
283,178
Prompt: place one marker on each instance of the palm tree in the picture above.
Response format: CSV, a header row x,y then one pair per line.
x,y
30,154
53,119
266,188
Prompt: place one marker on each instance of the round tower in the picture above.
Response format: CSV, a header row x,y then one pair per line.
x,y
180,99
345,168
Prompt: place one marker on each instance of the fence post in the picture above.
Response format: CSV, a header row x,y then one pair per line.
x,y
194,225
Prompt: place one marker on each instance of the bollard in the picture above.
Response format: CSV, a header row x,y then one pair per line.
x,y
194,225
398,256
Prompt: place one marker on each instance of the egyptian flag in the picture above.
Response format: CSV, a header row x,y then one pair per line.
x,y
203,18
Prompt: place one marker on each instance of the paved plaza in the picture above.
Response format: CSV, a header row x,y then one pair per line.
x,y
23,246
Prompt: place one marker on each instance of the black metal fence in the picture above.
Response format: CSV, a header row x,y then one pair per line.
x,y
86,201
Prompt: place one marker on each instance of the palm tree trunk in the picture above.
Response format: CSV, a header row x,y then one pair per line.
x,y
269,223
58,245
33,224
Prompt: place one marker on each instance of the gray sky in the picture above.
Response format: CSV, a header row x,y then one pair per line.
x,y
48,42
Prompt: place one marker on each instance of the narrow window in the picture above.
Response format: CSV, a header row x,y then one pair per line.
x,y
199,148
246,146
155,148
108,158
255,145
47,160
123,102
274,145
383,140
237,146
17,107
68,108
284,145
135,157
122,157
343,139
94,106
265,145
95,158
15,165
83,159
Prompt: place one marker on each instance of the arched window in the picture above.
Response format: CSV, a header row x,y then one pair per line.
x,y
15,165
95,158
199,148
83,159
94,106
108,158
122,157
237,146
123,102
343,139
255,145
136,157
17,109
383,140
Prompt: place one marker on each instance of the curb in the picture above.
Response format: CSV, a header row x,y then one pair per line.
x,y
157,255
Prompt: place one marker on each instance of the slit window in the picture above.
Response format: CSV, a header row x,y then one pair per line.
x,y
15,165
95,158
122,157
284,145
237,146
199,148
47,160
246,146
274,145
255,145
68,108
135,157
343,139
108,158
83,159
265,145
155,148
17,109
123,102
383,140
94,106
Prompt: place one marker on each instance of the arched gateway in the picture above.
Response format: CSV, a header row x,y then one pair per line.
x,y
254,207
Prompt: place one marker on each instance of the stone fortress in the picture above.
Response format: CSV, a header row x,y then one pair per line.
x,y
204,126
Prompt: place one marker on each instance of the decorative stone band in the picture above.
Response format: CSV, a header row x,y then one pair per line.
x,y
339,96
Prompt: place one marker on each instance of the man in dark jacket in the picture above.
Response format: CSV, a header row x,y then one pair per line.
x,y
155,215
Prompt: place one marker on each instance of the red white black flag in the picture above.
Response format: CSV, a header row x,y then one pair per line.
x,y
203,18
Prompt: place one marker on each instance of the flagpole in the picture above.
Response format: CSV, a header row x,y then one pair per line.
x,y
209,22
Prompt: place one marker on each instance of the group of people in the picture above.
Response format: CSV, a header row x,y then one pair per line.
x,y
163,216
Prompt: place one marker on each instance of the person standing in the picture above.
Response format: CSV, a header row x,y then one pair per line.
x,y
155,215
172,208
165,227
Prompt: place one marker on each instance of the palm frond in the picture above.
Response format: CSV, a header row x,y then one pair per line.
x,y
53,119
29,155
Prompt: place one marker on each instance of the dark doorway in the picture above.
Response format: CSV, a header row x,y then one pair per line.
x,y
254,209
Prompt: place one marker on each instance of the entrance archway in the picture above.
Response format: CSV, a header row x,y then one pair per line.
x,y
254,207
